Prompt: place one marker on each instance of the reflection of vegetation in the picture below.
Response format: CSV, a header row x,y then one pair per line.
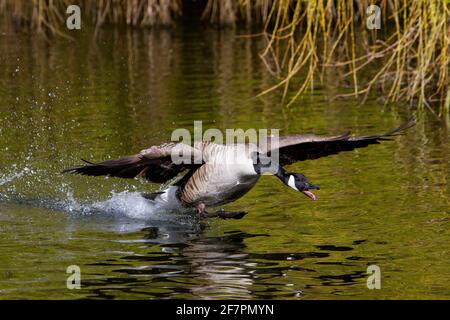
x,y
305,37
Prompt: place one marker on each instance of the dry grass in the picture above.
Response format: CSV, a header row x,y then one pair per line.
x,y
316,37
49,16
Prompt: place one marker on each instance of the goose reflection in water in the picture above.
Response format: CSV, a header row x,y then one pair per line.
x,y
186,264
221,266
178,259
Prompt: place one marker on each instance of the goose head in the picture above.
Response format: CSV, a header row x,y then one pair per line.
x,y
299,182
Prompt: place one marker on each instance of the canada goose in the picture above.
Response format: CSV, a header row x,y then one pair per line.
x,y
215,181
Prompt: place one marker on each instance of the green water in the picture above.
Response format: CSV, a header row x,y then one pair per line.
x,y
386,205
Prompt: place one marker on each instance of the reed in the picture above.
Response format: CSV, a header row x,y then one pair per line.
x,y
407,59
49,16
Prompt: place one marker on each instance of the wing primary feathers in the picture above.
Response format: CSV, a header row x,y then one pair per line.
x,y
154,164
410,122
84,160
308,147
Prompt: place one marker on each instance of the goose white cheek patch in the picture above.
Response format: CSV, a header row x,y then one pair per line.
x,y
309,194
291,183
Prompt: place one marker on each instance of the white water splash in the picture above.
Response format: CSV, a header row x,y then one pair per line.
x,y
123,204
16,175
130,204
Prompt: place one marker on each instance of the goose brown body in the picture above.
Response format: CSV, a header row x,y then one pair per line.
x,y
226,175
215,184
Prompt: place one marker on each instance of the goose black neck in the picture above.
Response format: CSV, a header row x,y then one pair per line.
x,y
271,166
282,174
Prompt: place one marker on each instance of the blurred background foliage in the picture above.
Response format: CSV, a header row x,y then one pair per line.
x,y
312,38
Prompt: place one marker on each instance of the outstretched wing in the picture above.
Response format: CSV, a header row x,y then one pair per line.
x,y
295,148
154,164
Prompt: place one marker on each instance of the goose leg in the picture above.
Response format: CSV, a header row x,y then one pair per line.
x,y
201,209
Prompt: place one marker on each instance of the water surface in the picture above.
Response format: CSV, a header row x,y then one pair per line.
x,y
111,96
